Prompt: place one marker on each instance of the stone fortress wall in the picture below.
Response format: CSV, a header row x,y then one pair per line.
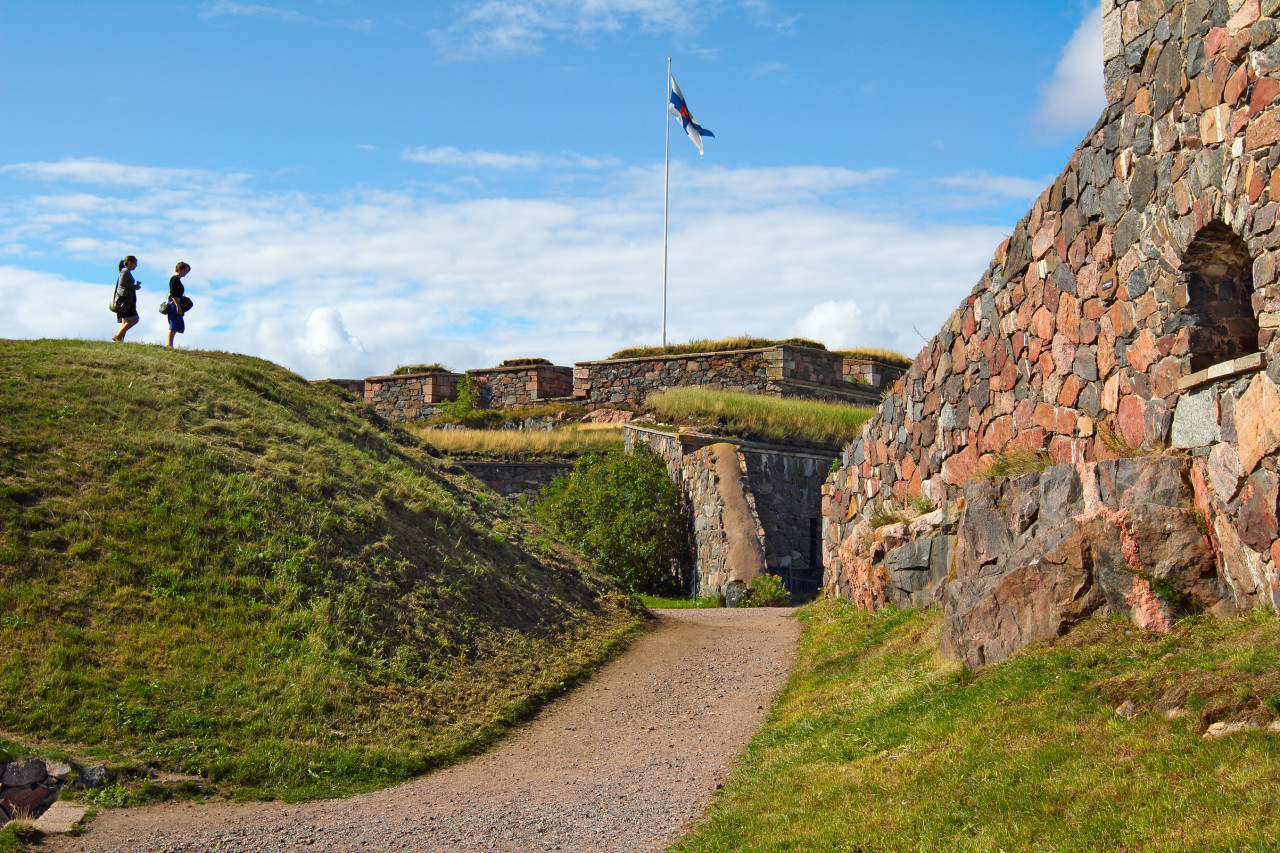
x,y
1133,308
753,507
781,371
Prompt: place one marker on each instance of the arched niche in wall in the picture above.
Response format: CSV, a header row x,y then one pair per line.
x,y
1218,274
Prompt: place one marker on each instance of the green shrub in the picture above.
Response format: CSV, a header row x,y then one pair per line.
x,y
464,402
624,514
765,591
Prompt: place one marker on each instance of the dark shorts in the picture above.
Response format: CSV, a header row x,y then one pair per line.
x,y
125,318
176,323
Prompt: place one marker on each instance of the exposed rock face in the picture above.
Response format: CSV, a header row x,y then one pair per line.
x,y
1038,553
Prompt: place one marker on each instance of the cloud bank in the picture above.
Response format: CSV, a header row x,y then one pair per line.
x,y
357,283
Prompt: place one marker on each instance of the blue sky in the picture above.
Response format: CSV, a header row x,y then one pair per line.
x,y
359,185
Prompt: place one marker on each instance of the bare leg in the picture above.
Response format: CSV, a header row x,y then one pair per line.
x,y
170,344
124,327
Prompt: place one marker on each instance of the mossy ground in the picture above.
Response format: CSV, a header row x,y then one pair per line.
x,y
210,565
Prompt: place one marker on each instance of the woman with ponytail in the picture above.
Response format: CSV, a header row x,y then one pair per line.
x,y
125,299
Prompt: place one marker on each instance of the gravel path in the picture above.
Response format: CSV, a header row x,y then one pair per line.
x,y
623,763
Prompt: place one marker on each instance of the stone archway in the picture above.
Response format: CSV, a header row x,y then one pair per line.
x,y
1217,272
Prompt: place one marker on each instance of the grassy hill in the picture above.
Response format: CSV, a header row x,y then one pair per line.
x,y
208,564
1094,742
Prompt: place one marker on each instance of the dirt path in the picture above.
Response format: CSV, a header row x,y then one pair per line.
x,y
624,763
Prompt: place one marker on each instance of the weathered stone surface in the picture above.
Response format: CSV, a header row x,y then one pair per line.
x,y
1102,530
1138,297
1195,421
25,800
28,772
1257,420
61,818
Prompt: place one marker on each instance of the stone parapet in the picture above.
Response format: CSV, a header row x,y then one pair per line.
x,y
781,370
410,397
505,387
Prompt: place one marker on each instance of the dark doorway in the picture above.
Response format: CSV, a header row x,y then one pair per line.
x,y
1218,274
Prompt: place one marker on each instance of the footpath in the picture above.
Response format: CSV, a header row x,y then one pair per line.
x,y
625,762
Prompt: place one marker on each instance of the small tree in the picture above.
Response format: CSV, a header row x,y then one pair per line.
x,y
623,513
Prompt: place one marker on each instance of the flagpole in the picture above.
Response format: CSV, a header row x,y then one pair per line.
x,y
666,183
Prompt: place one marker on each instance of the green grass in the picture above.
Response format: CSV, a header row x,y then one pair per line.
x,y
659,602
571,440
877,744
492,419
1016,460
210,565
876,354
776,419
702,345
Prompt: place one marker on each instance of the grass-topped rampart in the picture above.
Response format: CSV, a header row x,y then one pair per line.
x,y
1096,742
210,565
700,345
785,420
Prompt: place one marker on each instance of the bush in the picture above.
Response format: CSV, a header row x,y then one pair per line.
x,y
624,514
765,591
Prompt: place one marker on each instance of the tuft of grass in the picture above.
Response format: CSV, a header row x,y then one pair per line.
x,y
569,440
888,356
523,362
434,367
702,345
211,566
17,836
778,419
877,743
1016,460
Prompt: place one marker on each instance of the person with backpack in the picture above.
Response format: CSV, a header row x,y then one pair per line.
x,y
124,302
179,304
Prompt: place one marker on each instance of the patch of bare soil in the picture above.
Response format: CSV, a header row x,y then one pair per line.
x,y
623,763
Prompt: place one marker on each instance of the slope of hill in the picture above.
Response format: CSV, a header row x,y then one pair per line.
x,y
208,564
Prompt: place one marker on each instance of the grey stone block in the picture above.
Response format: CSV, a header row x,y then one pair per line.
x,y
1194,422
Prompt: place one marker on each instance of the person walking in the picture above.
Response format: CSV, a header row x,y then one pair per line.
x,y
125,298
178,302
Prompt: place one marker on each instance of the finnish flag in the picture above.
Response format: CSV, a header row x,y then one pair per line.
x,y
680,110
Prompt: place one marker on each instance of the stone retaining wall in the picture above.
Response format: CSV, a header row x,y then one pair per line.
x,y
29,786
410,397
780,485
513,479
1153,256
504,387
870,371
778,371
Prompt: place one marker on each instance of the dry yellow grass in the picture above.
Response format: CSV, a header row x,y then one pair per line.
x,y
575,438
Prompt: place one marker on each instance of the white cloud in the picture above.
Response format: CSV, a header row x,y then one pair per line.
x,y
513,27
358,283
498,160
763,69
91,170
220,8
978,188
836,324
1074,97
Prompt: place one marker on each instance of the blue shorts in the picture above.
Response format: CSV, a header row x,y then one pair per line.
x,y
176,320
